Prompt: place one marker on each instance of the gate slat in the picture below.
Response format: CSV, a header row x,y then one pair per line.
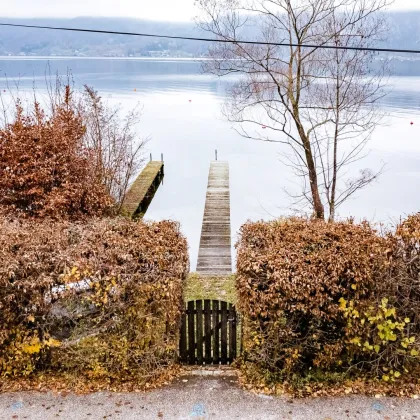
x,y
224,333
199,331
191,331
232,334
183,339
216,341
235,334
207,331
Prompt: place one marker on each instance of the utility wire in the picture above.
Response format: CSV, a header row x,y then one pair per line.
x,y
280,44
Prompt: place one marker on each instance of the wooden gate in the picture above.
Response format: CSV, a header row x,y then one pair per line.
x,y
208,333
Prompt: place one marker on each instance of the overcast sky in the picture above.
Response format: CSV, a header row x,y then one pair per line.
x,y
179,10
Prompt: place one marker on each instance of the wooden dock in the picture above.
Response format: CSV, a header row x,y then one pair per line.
x,y
214,255
143,189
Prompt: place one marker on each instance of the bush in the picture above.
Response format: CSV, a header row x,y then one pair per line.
x,y
101,298
45,170
404,282
70,154
308,291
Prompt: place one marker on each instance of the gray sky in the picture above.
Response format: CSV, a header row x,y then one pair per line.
x,y
175,10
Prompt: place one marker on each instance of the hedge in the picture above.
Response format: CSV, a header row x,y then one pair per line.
x,y
100,298
314,297
404,282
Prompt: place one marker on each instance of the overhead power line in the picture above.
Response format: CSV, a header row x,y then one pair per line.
x,y
280,44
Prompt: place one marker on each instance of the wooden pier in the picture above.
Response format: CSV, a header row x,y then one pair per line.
x,y
214,255
143,189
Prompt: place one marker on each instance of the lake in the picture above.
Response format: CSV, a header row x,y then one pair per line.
x,y
182,116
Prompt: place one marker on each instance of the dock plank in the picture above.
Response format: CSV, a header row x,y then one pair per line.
x,y
215,255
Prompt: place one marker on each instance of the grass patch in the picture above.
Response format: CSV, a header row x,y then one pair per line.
x,y
199,286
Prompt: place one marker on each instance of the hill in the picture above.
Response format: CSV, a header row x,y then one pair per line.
x,y
404,33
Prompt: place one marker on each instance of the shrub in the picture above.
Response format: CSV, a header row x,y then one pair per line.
x,y
403,286
45,170
309,294
101,298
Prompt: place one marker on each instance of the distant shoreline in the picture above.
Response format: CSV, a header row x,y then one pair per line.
x,y
70,57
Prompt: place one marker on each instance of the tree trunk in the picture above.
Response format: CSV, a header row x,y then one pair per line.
x,y
313,177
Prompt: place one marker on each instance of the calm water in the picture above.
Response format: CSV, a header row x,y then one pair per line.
x,y
187,133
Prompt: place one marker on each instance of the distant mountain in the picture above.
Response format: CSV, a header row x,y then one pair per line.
x,y
405,30
404,33
36,42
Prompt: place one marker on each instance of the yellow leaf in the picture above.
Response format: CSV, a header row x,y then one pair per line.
x,y
53,342
397,374
31,348
354,286
385,378
414,352
31,318
407,320
390,312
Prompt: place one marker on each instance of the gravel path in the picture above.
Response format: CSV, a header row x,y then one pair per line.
x,y
199,398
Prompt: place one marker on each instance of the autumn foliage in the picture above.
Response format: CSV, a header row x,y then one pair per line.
x,y
314,299
101,298
404,282
45,169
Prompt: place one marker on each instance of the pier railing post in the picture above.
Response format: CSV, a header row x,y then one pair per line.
x,y
215,154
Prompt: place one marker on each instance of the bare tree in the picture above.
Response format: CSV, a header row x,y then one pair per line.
x,y
321,103
119,155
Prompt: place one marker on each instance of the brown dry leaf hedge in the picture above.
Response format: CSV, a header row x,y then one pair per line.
x,y
313,303
100,299
404,282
